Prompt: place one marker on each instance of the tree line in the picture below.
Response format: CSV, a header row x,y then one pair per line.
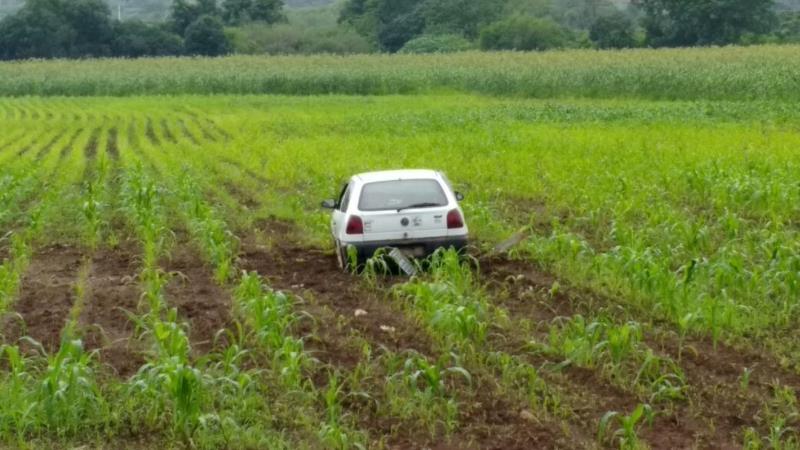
x,y
87,28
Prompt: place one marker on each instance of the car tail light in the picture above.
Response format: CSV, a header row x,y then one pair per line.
x,y
454,219
355,225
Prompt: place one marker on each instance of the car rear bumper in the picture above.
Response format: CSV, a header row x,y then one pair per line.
x,y
416,247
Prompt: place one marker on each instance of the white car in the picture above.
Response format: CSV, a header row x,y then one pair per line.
x,y
415,211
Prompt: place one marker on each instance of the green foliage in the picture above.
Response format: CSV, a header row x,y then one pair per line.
x,y
134,39
701,22
679,74
524,33
443,43
186,12
613,31
206,37
237,12
57,28
283,39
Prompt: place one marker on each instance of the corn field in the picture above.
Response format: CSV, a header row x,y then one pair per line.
x,y
167,280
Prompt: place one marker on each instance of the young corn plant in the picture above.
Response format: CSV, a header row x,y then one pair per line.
x,y
418,389
448,301
218,244
51,394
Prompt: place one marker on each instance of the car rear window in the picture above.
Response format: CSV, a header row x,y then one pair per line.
x,y
400,194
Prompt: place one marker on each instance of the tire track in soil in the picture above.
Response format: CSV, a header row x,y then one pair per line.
x,y
46,295
197,297
113,291
485,419
713,374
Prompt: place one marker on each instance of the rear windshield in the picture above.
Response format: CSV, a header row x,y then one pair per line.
x,y
401,194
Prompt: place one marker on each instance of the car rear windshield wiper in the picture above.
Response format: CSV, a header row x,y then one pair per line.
x,y
419,205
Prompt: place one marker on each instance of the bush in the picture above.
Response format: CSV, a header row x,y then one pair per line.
x,y
135,39
524,33
613,31
443,43
287,39
206,37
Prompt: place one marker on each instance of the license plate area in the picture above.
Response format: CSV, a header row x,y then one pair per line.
x,y
413,251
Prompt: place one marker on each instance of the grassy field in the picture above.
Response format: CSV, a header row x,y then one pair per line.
x,y
167,278
730,73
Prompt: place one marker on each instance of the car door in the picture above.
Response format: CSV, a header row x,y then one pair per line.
x,y
339,215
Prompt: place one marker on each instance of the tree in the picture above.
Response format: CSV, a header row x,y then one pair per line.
x,y
186,12
443,43
676,23
134,39
91,21
56,29
613,31
524,33
206,37
464,17
237,12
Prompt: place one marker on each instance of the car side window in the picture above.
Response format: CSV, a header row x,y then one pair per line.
x,y
345,199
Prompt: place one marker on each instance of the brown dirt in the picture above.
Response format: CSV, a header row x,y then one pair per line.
x,y
199,300
313,274
113,293
333,297
46,296
717,410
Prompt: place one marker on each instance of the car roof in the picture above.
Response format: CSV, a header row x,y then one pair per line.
x,y
389,175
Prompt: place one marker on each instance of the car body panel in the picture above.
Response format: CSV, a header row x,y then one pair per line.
x,y
413,228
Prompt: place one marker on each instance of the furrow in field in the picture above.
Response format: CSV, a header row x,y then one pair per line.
x,y
713,374
486,420
187,133
167,132
90,154
113,293
150,132
45,150
197,297
46,296
311,271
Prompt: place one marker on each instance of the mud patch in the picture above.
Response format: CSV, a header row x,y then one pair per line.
x,y
113,293
46,296
199,300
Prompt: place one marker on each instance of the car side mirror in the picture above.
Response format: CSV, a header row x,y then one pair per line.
x,y
329,204
459,196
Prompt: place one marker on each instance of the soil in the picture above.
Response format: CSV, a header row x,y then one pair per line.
x,y
198,298
113,294
46,295
716,411
333,297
